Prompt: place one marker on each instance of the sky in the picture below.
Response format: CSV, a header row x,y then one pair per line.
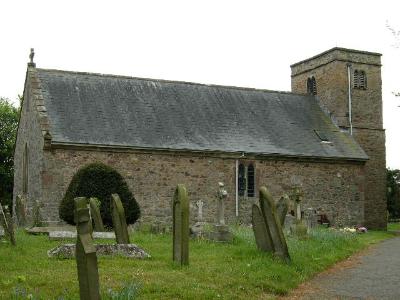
x,y
240,43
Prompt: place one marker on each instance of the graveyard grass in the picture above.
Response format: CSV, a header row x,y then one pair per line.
x,y
216,270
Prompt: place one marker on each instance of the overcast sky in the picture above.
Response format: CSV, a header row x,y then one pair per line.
x,y
241,43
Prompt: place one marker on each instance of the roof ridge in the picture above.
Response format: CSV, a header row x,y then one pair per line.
x,y
173,81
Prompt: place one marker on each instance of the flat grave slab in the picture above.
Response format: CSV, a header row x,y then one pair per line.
x,y
67,251
62,235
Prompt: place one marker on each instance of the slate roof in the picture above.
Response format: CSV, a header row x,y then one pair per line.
x,y
96,109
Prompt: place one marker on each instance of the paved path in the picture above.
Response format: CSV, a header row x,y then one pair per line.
x,y
374,274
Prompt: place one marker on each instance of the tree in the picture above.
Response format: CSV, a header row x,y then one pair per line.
x,y
9,116
393,193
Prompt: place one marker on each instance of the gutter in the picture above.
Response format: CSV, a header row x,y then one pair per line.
x,y
349,93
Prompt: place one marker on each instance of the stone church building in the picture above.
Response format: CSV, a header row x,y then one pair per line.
x,y
325,136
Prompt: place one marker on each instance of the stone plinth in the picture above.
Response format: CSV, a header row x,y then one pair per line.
x,y
221,233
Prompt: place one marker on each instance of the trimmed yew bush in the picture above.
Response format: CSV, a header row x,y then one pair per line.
x,y
100,181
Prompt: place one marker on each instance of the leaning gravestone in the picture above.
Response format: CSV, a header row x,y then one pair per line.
x,y
272,230
86,258
95,214
20,209
119,220
180,226
8,224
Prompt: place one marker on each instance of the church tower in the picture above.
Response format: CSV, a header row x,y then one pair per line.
x,y
347,84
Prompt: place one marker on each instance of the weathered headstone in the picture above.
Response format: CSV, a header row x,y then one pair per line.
x,y
36,215
8,224
289,221
86,258
198,229
222,194
200,205
119,220
273,228
180,226
282,207
261,234
311,218
221,231
20,209
95,214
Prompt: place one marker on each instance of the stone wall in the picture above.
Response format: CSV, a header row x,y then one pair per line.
x,y
330,72
29,134
337,188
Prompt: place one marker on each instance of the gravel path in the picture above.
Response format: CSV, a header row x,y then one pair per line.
x,y
372,274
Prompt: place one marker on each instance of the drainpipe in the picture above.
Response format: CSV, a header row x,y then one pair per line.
x,y
237,187
350,113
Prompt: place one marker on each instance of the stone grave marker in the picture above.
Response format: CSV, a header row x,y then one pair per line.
x,y
273,228
8,224
282,207
311,218
36,215
180,226
221,231
20,209
197,230
119,220
86,258
95,214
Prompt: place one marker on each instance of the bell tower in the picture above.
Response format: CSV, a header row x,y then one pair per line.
x,y
347,84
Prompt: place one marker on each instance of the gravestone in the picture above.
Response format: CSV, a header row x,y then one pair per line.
x,y
20,209
200,205
311,218
95,214
86,258
282,207
8,224
36,215
273,228
298,229
119,220
198,229
180,226
289,221
221,231
261,234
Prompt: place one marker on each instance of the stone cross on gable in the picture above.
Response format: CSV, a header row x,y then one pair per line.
x,y
200,205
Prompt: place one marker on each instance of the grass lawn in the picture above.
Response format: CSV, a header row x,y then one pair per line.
x,y
216,271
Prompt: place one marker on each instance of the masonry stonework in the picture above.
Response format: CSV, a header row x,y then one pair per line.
x,y
30,137
337,189
330,70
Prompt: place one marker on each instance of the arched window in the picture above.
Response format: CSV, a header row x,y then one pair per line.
x,y
311,86
25,163
241,180
250,181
